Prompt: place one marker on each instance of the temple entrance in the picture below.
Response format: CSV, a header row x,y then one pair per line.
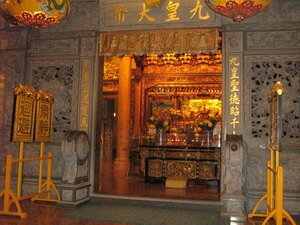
x,y
175,127
173,103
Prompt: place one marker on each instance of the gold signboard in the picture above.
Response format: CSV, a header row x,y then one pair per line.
x,y
43,128
204,40
24,114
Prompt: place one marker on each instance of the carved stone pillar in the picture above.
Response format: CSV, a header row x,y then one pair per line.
x,y
75,184
233,174
121,163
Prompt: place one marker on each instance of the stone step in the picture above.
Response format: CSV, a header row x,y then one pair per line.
x,y
214,206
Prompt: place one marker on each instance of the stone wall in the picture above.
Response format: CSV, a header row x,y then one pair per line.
x,y
60,60
272,56
13,50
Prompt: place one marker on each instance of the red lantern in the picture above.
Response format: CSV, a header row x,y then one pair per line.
x,y
238,10
36,13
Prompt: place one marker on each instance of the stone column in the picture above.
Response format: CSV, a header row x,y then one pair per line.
x,y
233,149
233,178
121,163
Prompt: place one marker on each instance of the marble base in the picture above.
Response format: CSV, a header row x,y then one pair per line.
x,y
74,195
234,207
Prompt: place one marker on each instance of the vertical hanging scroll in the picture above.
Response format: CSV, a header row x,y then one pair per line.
x,y
43,128
24,114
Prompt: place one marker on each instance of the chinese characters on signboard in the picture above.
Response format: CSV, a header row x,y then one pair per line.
x,y
169,12
234,96
33,115
43,127
24,114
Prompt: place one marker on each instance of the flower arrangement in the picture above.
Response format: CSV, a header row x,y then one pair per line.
x,y
207,124
159,123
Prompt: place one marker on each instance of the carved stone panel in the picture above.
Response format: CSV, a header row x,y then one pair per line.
x,y
61,79
88,46
234,41
13,40
261,73
12,68
54,47
273,40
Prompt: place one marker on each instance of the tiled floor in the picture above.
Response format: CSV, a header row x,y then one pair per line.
x,y
51,215
136,186
128,186
46,215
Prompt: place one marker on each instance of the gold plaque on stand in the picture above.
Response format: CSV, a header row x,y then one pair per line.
x,y
43,128
24,114
275,100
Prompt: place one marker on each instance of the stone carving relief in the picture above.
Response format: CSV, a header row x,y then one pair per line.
x,y
13,40
255,162
67,195
264,75
12,67
233,161
31,169
75,150
234,41
273,40
60,80
46,47
88,46
82,193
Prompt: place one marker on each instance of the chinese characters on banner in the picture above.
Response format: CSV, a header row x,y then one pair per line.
x,y
169,12
234,95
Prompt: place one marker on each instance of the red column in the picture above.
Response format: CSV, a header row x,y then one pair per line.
x,y
122,163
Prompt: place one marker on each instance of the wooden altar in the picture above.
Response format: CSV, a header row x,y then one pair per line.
x,y
195,162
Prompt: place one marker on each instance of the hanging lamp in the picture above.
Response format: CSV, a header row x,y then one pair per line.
x,y
238,10
36,13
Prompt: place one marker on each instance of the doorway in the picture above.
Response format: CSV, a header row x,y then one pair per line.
x,y
187,89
